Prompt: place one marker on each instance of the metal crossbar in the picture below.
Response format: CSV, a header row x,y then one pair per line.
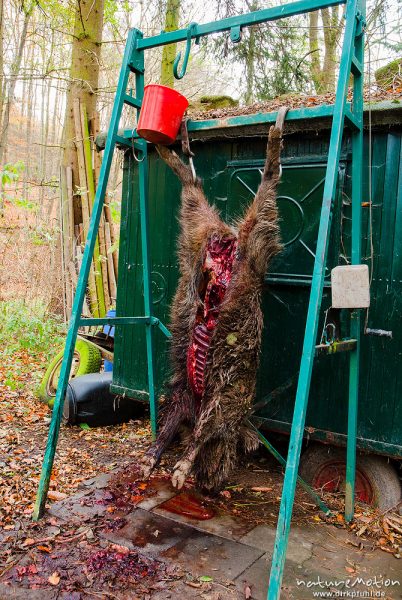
x,y
133,62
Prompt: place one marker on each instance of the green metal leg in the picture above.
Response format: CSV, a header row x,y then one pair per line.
x,y
149,332
303,388
138,57
357,176
82,282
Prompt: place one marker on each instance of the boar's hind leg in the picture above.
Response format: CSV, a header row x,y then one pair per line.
x,y
183,467
203,431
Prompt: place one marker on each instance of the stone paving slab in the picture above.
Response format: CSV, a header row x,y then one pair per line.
x,y
149,533
221,525
164,491
8,592
216,557
319,554
257,576
195,551
263,537
75,507
229,549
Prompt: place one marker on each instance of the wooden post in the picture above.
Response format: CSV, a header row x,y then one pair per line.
x,y
86,143
108,216
65,241
110,265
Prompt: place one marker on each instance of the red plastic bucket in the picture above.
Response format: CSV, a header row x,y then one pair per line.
x,y
161,113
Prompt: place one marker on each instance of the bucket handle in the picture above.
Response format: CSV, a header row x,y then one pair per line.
x,y
190,32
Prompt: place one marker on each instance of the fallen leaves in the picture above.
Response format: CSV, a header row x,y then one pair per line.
x,y
383,529
293,100
54,578
28,542
23,432
55,495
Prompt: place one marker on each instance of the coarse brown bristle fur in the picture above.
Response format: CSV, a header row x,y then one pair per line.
x,y
219,431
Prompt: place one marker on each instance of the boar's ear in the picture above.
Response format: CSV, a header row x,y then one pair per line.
x,y
182,171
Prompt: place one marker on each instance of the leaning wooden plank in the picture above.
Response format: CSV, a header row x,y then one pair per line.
x,y
70,197
78,268
84,200
110,265
81,235
91,198
71,227
103,263
74,279
65,246
108,217
95,128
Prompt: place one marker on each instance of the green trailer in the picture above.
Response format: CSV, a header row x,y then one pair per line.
x,y
229,160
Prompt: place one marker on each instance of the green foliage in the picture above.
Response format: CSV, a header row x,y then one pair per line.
x,y
26,204
271,56
26,326
115,210
10,173
43,234
285,70
386,75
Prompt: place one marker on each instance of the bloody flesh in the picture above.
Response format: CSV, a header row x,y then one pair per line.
x,y
216,274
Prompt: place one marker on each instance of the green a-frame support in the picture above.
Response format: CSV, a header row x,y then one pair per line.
x,y
133,62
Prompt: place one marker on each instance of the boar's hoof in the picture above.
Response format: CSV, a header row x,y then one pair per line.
x,y
146,466
181,471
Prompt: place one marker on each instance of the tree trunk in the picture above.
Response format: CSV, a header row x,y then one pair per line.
x,y
323,69
250,68
315,67
84,72
15,68
82,90
169,51
332,32
1,59
28,134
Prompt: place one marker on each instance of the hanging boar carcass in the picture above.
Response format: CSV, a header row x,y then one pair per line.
x,y
216,324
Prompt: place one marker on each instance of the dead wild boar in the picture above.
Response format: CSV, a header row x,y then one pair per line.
x,y
216,324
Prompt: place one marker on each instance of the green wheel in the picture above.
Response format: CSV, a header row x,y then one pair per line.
x,y
86,359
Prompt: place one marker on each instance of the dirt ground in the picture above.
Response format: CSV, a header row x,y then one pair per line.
x,y
71,557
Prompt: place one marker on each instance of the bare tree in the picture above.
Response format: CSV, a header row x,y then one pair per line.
x,y
323,68
169,51
84,71
27,8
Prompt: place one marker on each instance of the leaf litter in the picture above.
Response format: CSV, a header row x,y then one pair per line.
x,y
70,555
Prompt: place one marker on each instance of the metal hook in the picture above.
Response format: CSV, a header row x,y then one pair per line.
x,y
185,146
190,32
139,160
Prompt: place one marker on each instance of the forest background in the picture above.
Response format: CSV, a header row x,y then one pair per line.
x,y
59,66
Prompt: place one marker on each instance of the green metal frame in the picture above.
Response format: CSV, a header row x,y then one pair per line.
x,y
133,62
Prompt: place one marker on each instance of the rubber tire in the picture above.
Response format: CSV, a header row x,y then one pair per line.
x,y
381,474
90,361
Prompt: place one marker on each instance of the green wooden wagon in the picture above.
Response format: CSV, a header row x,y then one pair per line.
x,y
229,162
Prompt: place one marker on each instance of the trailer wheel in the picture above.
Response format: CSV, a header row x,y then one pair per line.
x,y
86,359
377,482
